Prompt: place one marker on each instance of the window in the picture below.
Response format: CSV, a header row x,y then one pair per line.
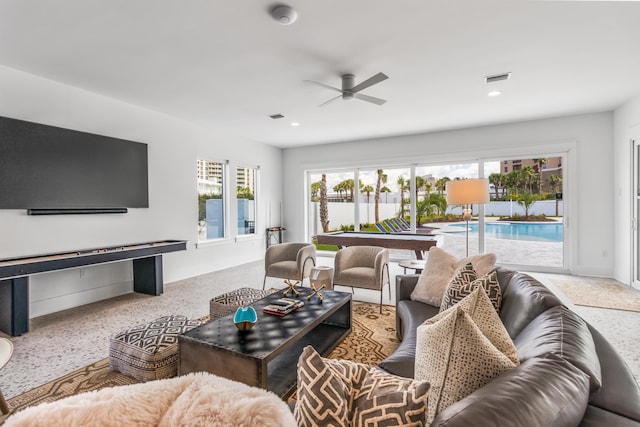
x,y
210,200
245,199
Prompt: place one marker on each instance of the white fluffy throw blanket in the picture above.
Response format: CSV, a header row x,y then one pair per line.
x,y
191,400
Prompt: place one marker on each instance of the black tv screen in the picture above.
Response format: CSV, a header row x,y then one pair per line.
x,y
47,167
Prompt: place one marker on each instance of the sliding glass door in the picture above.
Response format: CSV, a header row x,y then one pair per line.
x,y
523,223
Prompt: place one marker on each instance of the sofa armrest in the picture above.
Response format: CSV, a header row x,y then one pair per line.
x,y
405,285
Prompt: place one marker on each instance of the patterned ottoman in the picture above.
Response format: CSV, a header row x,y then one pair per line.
x,y
230,301
150,351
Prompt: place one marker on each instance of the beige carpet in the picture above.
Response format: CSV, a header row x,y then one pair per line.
x,y
372,338
600,294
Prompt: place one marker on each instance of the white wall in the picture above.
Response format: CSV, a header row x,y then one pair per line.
x,y
626,128
589,183
173,147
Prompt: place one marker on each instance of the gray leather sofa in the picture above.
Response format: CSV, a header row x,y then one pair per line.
x,y
569,374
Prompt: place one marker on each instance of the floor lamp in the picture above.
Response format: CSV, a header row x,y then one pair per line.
x,y
466,192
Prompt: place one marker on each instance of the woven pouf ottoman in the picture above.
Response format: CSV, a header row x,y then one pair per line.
x,y
230,301
150,351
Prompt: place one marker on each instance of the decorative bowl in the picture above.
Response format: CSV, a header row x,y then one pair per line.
x,y
245,318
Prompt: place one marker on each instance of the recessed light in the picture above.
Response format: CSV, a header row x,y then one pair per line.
x,y
294,124
495,93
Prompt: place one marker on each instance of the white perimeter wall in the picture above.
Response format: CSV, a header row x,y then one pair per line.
x,y
173,147
627,128
589,182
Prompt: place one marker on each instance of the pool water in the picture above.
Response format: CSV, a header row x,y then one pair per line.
x,y
531,231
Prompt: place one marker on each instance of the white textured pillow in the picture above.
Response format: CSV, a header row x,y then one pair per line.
x,y
456,358
481,309
440,269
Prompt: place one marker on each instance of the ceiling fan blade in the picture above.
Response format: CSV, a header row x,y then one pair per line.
x,y
369,82
323,85
371,99
330,101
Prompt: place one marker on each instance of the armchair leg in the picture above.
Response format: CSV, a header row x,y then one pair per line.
x,y
264,282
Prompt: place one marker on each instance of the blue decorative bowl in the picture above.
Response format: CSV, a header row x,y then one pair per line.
x,y
245,318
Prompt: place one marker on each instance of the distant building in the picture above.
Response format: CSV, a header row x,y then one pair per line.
x,y
553,166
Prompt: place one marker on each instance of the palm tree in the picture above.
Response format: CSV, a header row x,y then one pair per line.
x,y
420,182
555,181
441,184
527,200
496,180
403,186
324,207
539,163
386,190
440,203
529,175
339,188
315,189
382,179
367,189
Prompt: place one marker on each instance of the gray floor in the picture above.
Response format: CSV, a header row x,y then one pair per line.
x,y
62,342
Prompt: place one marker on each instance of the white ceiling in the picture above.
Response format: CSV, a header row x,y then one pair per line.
x,y
229,65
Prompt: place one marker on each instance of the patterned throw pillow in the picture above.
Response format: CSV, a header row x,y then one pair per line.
x,y
456,358
440,268
478,305
334,392
461,286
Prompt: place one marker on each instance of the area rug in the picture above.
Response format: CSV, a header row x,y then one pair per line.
x,y
372,339
600,294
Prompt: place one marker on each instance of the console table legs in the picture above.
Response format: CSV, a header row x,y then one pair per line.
x,y
147,275
14,306
14,293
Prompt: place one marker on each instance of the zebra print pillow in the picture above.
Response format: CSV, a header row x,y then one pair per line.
x,y
466,281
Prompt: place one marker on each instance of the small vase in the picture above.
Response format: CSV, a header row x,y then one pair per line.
x,y
245,318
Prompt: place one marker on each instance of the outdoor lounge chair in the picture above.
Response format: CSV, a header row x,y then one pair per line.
x,y
391,226
401,225
381,228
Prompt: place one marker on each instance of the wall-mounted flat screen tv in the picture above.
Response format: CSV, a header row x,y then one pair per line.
x,y
47,167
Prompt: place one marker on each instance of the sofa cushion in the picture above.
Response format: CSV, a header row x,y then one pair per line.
x,y
597,417
339,392
562,332
455,357
620,392
410,314
524,298
543,391
466,282
440,268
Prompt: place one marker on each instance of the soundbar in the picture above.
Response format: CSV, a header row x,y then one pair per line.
x,y
71,211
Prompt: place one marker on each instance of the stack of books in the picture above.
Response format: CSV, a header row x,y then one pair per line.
x,y
283,306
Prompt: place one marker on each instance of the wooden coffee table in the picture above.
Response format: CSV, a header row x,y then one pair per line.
x,y
267,355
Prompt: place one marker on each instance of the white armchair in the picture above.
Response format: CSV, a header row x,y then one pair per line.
x,y
365,267
289,261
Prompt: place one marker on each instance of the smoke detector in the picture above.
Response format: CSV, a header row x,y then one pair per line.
x,y
284,15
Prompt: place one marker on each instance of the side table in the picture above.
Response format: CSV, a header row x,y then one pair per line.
x,y
321,275
414,264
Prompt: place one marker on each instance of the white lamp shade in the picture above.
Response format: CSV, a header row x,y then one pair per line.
x,y
468,191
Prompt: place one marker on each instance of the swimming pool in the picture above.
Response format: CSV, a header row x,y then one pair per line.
x,y
531,231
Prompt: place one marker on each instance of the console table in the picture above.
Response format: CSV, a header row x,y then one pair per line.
x,y
14,274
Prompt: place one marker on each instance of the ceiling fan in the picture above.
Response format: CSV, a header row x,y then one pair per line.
x,y
349,91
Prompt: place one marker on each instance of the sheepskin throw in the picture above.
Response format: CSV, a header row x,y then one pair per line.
x,y
198,399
